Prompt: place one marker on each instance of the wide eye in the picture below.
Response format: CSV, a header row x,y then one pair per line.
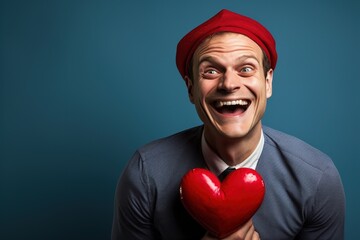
x,y
246,69
210,73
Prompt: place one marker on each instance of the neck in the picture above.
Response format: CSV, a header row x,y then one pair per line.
x,y
234,151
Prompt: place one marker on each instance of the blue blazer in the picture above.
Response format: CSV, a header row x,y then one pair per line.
x,y
304,196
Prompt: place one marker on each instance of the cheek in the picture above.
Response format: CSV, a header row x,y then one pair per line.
x,y
202,93
258,87
203,89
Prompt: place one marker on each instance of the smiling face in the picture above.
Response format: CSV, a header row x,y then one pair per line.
x,y
228,87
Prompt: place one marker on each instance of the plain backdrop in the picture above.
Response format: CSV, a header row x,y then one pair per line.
x,y
85,83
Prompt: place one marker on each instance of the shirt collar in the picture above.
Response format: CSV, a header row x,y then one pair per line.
x,y
217,165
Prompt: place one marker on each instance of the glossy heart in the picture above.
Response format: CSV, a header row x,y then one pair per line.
x,y
222,207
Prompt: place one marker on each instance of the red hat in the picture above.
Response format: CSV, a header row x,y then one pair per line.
x,y
224,21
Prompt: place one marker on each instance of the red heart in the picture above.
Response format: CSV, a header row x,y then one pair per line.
x,y
223,207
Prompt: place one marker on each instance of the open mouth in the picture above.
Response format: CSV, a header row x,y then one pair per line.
x,y
231,107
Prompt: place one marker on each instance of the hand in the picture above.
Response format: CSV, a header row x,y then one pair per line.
x,y
246,232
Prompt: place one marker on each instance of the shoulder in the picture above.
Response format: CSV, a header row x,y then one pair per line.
x,y
174,142
176,154
296,149
303,179
162,158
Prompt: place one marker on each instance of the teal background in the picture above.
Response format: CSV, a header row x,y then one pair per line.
x,y
84,83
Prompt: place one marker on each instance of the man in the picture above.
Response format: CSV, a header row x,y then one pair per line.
x,y
228,64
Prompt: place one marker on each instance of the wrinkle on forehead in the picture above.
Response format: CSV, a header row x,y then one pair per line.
x,y
227,42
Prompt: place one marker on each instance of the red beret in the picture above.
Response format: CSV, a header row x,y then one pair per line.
x,y
224,21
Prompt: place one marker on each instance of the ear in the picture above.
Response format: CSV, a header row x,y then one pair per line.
x,y
189,85
268,83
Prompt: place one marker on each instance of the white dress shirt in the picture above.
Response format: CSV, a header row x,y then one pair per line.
x,y
217,165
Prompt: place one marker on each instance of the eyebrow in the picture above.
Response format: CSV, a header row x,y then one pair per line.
x,y
244,57
214,60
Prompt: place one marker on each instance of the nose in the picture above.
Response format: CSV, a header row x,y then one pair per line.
x,y
229,82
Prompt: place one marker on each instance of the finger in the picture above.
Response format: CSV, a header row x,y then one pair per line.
x,y
208,236
250,233
256,236
247,227
245,232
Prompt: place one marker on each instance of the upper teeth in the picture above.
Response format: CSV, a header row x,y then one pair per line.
x,y
229,103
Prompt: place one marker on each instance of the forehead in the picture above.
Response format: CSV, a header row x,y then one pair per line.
x,y
225,42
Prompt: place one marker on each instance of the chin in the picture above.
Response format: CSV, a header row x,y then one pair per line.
x,y
237,130
231,131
